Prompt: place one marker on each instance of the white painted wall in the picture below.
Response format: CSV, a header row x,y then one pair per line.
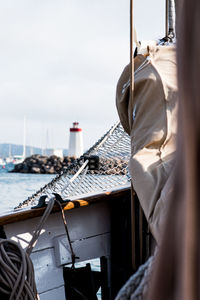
x,y
89,229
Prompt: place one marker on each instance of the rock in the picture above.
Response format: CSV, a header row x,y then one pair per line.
x,y
40,164
51,170
35,170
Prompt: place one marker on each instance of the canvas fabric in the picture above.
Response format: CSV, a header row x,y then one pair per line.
x,y
151,122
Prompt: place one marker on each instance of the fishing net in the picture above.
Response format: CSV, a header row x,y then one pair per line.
x,y
102,168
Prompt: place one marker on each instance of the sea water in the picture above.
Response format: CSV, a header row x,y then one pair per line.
x,y
17,187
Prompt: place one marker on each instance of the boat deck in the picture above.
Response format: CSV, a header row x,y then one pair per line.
x,y
99,227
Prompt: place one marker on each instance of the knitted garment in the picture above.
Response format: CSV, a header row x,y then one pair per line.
x,y
135,287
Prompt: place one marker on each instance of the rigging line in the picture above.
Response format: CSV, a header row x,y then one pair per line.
x,y
79,184
75,176
131,98
73,256
131,51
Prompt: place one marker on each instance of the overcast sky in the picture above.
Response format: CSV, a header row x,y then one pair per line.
x,y
60,61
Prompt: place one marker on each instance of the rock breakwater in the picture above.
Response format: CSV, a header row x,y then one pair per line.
x,y
39,164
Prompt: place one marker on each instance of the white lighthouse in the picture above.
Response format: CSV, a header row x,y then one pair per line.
x,y
75,141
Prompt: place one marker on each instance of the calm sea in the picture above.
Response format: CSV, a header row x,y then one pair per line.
x,y
17,187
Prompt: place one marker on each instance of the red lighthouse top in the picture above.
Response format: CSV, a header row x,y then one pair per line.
x,y
75,127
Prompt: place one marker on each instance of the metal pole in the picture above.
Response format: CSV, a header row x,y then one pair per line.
x,y
166,17
131,99
170,18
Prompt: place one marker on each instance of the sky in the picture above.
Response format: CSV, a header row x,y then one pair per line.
x,y
60,61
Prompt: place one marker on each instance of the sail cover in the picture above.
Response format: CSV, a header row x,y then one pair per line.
x,y
150,120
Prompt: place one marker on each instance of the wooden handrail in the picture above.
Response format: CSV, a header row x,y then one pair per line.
x,y
27,213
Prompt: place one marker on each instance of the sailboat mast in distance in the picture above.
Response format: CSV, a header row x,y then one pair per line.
x,y
24,139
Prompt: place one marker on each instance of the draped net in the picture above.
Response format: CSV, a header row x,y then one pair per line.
x,y
113,152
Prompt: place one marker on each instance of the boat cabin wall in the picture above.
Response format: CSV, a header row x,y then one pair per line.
x,y
102,229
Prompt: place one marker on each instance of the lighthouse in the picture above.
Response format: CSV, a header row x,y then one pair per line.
x,y
75,141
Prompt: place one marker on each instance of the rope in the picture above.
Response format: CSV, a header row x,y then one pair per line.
x,y
170,19
73,257
17,280
75,176
135,286
16,273
131,51
40,226
16,268
79,183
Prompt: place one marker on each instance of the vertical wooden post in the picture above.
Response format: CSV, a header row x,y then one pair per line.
x,y
105,284
121,254
141,237
133,229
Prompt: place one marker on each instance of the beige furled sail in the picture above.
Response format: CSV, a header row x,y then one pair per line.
x,y
150,120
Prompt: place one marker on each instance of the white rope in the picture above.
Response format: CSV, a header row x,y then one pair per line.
x,y
75,176
17,279
16,273
79,183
